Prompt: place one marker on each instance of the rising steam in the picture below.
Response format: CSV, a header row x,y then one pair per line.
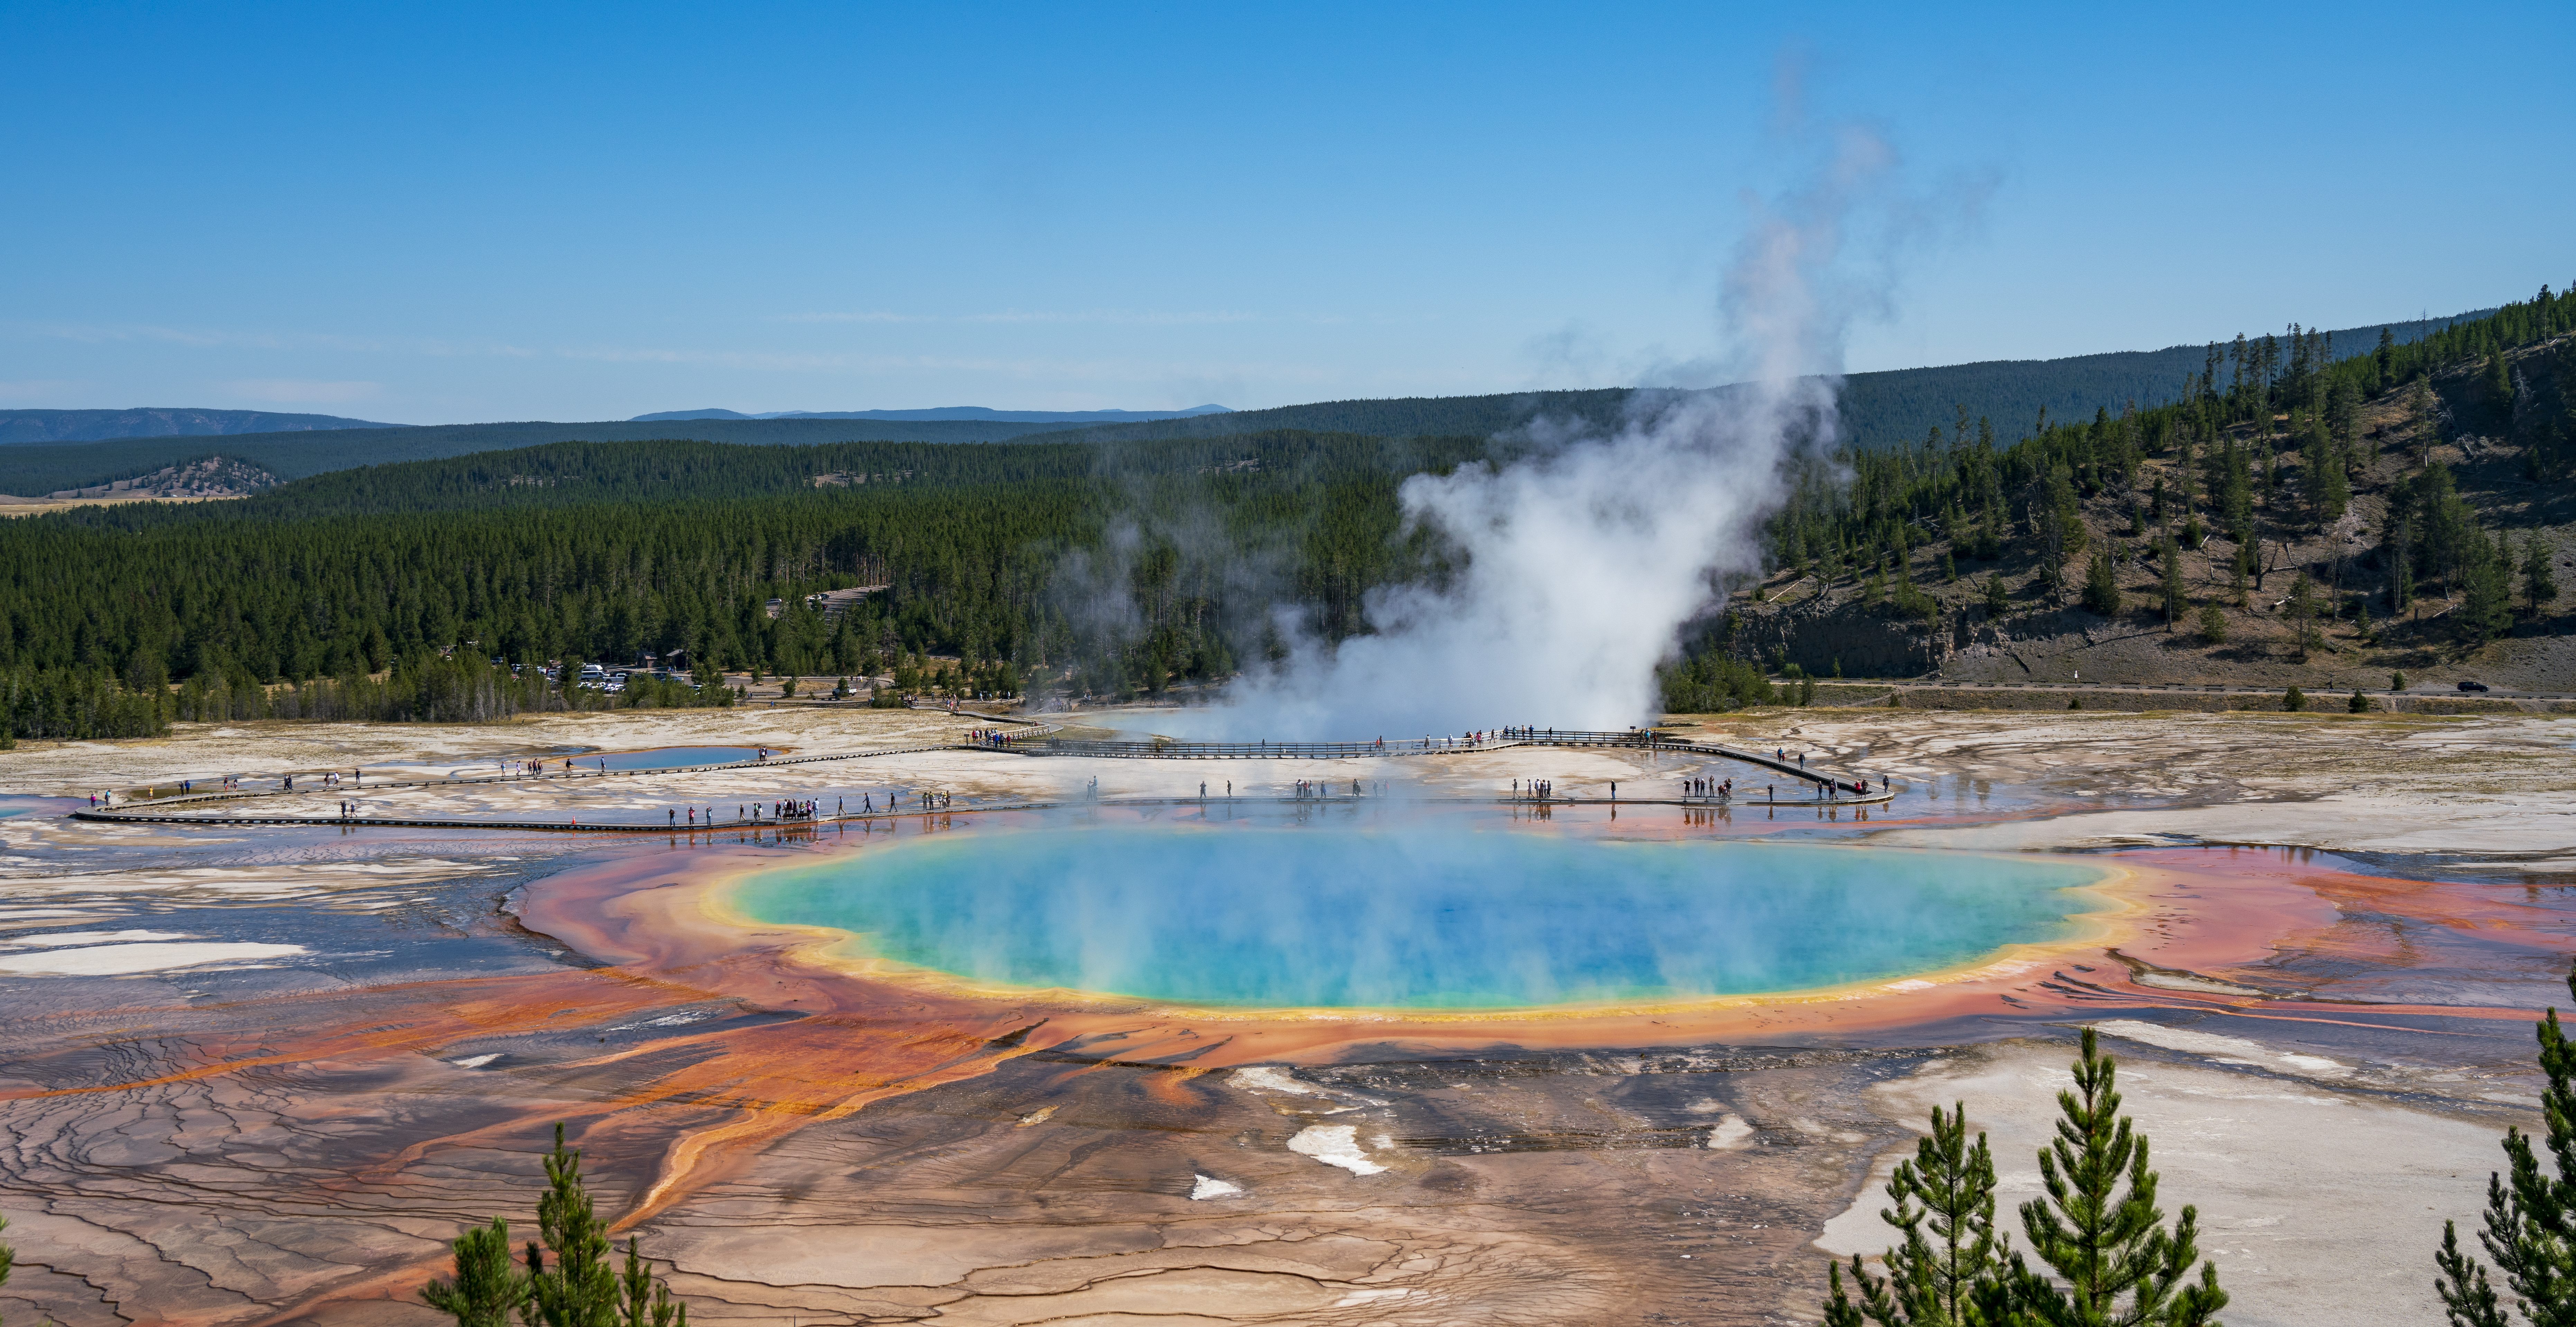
x,y
1584,558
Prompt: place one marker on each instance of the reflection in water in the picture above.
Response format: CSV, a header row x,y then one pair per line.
x,y
670,757
1436,918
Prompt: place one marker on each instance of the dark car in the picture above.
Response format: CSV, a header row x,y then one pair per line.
x,y
2473,686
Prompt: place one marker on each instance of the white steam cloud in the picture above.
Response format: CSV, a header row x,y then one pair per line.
x,y
1586,557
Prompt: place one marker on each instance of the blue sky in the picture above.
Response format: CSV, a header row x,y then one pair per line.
x,y
436,214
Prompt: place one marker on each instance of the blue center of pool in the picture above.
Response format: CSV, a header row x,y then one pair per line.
x,y
668,757
1432,919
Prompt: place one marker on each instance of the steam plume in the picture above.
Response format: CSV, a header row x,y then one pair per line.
x,y
1586,556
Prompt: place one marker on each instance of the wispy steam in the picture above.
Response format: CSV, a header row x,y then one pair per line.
x,y
1585,556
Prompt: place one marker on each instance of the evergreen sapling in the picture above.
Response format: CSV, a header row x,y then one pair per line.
x,y
1951,1269
2099,1229
489,1287
2531,1216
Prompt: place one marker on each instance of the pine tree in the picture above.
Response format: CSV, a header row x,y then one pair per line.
x,y
2539,584
2061,526
1998,599
2359,704
2213,624
2531,1217
2303,615
2421,407
2102,587
644,1299
2294,700
2102,1240
581,1290
2486,605
2327,489
2175,599
1952,1269
489,1287
2499,385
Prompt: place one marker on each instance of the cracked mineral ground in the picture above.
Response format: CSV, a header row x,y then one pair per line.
x,y
262,1074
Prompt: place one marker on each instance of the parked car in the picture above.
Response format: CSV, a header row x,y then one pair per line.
x,y
2473,686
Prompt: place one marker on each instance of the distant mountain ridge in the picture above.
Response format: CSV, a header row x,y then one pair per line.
x,y
1879,409
952,412
294,455
20,426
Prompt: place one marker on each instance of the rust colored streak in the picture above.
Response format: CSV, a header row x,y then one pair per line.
x,y
428,1015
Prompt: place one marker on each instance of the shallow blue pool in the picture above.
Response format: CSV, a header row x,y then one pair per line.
x,y
669,757
1443,918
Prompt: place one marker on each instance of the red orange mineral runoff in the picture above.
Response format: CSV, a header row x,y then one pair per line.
x,y
2180,927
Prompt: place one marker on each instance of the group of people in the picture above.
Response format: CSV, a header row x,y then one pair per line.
x,y
1707,788
804,809
1539,789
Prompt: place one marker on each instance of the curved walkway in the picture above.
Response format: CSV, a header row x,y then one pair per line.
x,y
1831,791
1639,738
573,825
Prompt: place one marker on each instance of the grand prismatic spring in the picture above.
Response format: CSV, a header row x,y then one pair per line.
x,y
1414,918
1343,1038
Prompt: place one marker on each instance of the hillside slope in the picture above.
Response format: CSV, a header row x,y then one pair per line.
x,y
1879,410
2458,467
43,426
964,412
45,469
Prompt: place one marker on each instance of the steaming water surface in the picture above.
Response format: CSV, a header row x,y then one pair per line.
x,y
1434,919
670,757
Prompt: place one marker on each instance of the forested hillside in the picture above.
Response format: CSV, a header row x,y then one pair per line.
x,y
1013,559
2295,515
36,470
1879,410
42,426
2288,495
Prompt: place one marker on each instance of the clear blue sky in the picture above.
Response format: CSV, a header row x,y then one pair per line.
x,y
458,212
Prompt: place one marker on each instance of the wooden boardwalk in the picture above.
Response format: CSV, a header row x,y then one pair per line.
x,y
1831,790
574,825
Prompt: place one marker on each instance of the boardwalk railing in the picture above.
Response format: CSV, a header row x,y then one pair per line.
x,y
1033,739
1501,739
1168,749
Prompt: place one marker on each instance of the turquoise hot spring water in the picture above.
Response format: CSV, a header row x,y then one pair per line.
x,y
1433,918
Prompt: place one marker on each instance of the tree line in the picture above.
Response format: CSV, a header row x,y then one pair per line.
x,y
1110,568
1110,572
2263,440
